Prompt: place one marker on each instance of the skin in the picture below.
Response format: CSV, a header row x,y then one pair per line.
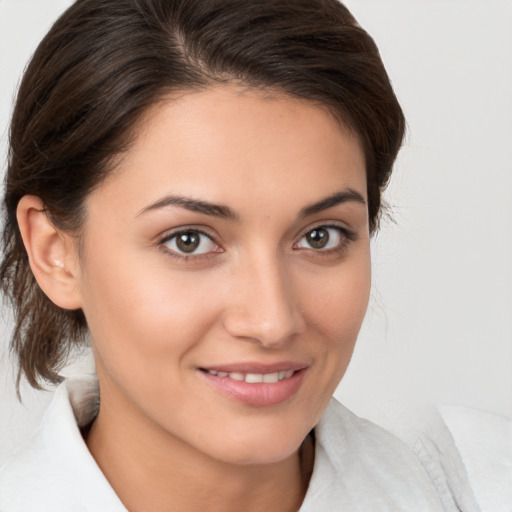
x,y
256,291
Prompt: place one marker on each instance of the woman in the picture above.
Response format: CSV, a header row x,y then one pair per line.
x,y
193,185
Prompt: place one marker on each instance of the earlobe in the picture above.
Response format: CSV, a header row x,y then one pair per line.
x,y
51,253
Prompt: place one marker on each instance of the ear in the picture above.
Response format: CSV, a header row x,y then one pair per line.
x,y
51,254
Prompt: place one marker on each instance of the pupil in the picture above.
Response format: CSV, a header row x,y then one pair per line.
x,y
318,238
188,242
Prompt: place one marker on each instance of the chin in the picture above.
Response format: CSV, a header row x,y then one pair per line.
x,y
261,454
261,447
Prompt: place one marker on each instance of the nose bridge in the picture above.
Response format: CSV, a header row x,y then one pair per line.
x,y
265,306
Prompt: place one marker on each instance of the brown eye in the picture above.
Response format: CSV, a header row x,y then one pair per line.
x,y
324,238
318,238
190,242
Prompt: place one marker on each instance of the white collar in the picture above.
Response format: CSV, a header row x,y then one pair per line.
x,y
358,465
54,471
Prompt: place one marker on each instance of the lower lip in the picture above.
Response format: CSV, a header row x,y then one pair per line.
x,y
260,394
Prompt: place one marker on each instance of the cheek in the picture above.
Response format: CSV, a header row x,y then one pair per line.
x,y
341,298
336,305
139,314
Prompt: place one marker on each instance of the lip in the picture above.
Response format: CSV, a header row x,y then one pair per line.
x,y
259,394
282,366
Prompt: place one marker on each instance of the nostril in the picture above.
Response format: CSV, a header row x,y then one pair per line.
x,y
273,332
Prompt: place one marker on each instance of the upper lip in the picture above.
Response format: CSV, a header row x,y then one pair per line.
x,y
249,367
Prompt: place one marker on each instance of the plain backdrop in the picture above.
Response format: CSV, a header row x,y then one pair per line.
x,y
439,326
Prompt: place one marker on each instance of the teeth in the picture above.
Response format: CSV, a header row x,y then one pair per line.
x,y
255,378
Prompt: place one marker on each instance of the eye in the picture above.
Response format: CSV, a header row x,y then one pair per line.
x,y
190,242
324,238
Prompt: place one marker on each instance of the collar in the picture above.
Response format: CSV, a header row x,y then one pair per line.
x,y
358,466
54,471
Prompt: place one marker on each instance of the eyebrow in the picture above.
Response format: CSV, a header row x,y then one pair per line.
x,y
194,205
344,196
225,212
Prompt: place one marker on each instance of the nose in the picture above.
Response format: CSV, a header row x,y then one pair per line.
x,y
263,306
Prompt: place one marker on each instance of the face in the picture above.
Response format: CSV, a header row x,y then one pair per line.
x,y
226,272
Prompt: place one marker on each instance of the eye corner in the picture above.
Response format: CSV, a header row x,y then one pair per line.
x,y
194,244
331,238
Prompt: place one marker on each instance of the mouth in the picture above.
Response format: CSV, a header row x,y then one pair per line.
x,y
253,378
255,385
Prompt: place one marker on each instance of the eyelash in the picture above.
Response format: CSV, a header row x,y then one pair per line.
x,y
347,236
184,256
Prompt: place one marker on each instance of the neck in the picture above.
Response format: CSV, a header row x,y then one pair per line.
x,y
150,469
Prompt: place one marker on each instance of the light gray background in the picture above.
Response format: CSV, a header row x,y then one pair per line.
x,y
439,325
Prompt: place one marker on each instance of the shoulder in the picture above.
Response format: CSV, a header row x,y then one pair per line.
x,y
485,443
360,466
54,470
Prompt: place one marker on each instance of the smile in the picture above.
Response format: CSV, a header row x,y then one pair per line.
x,y
256,385
254,378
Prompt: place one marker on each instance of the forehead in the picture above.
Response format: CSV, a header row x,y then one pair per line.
x,y
229,144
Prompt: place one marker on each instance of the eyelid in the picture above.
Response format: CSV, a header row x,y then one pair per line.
x,y
348,235
169,235
348,232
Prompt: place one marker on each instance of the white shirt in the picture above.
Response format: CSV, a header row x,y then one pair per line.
x,y
358,466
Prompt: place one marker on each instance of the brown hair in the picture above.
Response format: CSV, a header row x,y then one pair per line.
x,y
104,62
